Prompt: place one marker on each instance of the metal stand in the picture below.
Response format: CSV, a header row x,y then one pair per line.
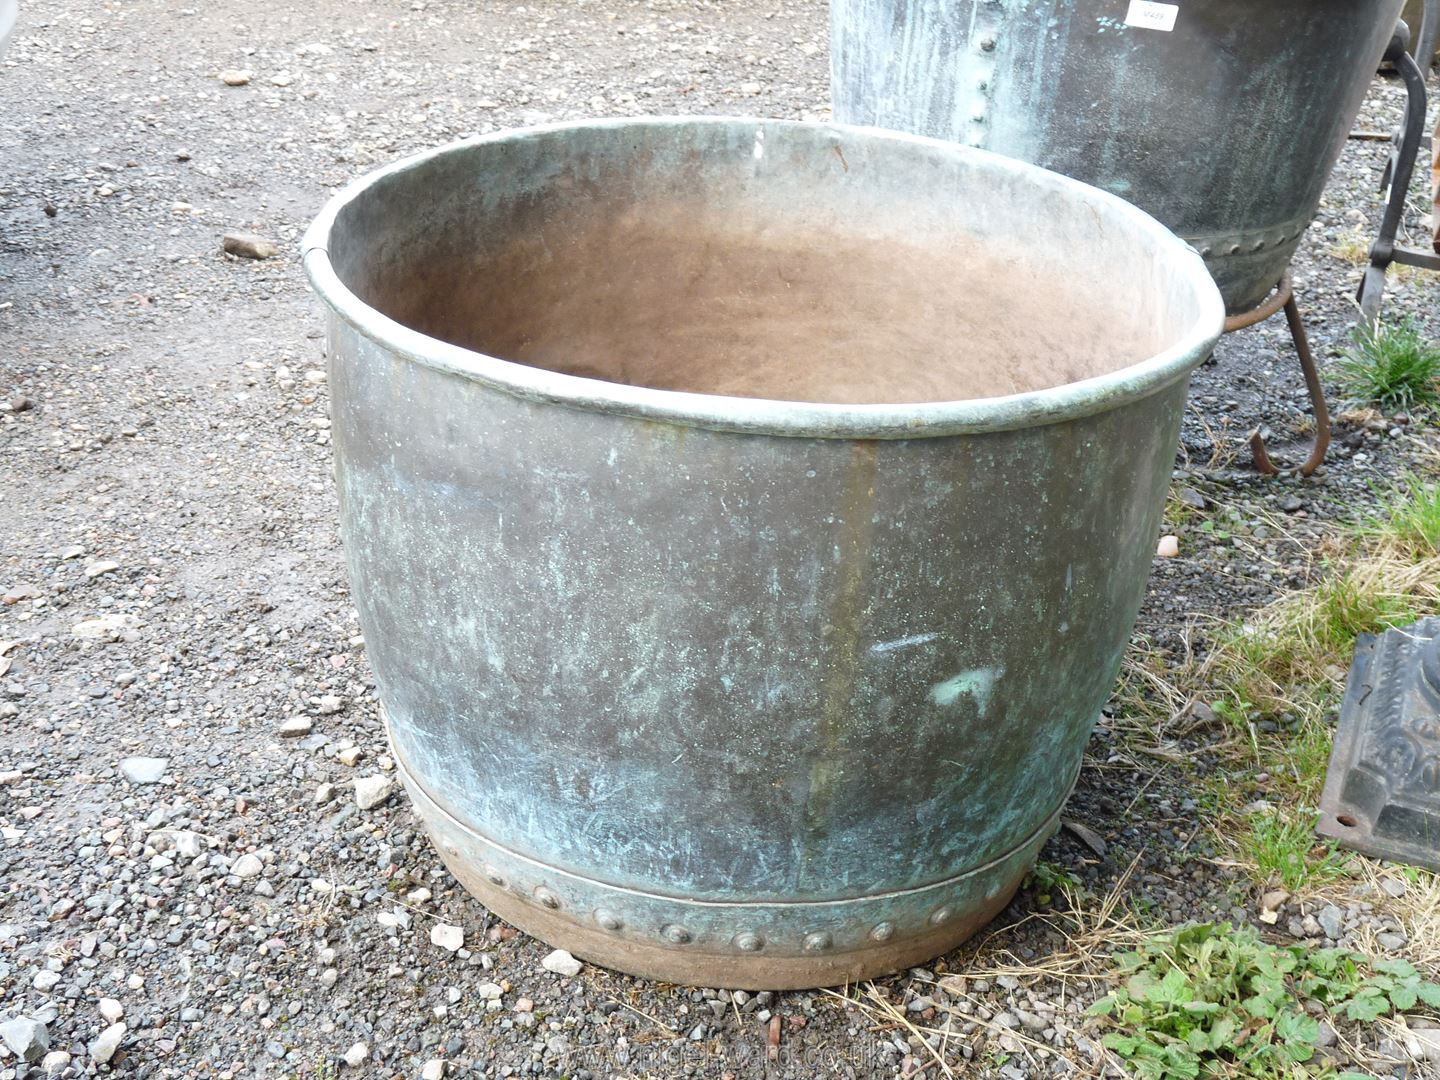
x,y
1400,170
1284,297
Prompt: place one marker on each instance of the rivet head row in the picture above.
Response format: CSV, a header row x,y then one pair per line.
x,y
749,941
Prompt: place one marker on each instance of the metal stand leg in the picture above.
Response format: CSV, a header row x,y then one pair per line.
x,y
1398,172
1284,297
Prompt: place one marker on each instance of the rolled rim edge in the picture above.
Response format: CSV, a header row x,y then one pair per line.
x,y
765,416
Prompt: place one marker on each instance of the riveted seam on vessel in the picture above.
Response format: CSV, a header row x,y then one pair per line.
x,y
427,806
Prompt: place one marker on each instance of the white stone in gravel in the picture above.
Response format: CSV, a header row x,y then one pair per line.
x,y
45,980
107,1042
371,791
447,936
104,627
314,378
350,756
397,919
418,896
1168,548
324,793
101,566
434,1069
144,770
561,963
55,1063
26,1038
295,727
329,703
356,1055
111,1010
247,866
186,844
490,991
235,77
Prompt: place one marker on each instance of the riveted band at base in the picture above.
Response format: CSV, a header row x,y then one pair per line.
x,y
765,945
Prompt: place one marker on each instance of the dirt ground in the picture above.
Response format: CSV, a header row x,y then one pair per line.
x,y
165,411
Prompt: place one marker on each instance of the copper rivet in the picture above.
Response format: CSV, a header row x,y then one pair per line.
x,y
940,916
1234,249
546,897
749,941
675,933
1206,252
882,931
818,941
607,921
493,876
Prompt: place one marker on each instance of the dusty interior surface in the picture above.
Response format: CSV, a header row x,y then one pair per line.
x,y
676,301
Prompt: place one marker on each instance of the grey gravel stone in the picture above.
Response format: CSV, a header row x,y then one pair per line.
x,y
561,963
104,1045
247,866
371,791
356,1055
296,727
1332,921
27,1038
45,980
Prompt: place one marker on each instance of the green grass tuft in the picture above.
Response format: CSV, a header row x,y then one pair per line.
x,y
1409,517
1392,367
1280,849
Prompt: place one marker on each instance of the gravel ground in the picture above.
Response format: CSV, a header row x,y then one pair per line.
x,y
188,884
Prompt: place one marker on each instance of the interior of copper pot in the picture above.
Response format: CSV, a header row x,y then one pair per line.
x,y
690,259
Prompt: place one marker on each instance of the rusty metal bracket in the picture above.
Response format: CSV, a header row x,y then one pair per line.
x,y
1284,298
